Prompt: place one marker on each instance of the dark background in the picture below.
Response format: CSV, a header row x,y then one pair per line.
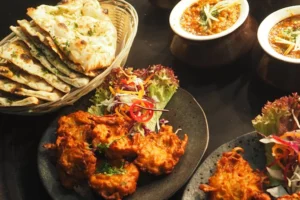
x,y
231,95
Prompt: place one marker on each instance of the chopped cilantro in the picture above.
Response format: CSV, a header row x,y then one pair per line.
x,y
75,25
14,54
102,147
203,18
215,13
45,71
55,40
107,169
90,32
290,34
66,48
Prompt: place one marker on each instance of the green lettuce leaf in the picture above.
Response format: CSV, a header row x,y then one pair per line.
x,y
101,95
163,86
276,117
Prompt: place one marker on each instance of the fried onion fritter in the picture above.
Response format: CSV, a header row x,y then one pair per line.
x,y
109,131
76,161
78,125
83,140
295,196
158,153
115,184
234,179
114,136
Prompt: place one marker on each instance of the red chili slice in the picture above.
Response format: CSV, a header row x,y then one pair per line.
x,y
140,114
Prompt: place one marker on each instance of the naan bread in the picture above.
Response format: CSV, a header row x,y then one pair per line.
x,y
28,101
34,30
78,81
18,89
81,30
14,73
51,51
18,53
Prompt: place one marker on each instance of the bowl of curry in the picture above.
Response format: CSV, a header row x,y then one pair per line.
x,y
279,34
208,19
206,28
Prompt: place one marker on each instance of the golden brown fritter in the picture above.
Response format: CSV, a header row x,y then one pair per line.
x,y
78,125
80,136
234,179
76,161
109,131
158,153
83,125
116,183
113,134
295,196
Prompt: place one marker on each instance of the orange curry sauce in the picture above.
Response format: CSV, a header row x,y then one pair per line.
x,y
283,30
192,22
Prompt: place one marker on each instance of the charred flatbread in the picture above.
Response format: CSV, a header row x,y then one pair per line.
x,y
81,30
16,74
35,31
28,101
19,89
77,81
19,54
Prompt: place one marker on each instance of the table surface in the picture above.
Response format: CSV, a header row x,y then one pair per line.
x,y
231,96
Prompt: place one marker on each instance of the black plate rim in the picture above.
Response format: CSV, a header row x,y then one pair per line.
x,y
53,196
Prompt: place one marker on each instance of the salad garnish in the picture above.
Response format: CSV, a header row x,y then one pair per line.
x,y
279,123
137,95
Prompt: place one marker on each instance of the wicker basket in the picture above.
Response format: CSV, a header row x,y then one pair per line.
x,y
125,19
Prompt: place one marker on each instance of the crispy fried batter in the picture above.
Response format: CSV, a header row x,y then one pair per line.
x,y
295,196
78,125
235,179
75,161
114,134
158,153
81,135
109,130
116,186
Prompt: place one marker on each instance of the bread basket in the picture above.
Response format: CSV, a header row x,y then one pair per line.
x,y
125,19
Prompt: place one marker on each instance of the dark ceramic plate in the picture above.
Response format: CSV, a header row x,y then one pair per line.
x,y
185,113
254,154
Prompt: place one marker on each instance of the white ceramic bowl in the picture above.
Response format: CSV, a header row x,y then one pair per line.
x,y
268,23
179,9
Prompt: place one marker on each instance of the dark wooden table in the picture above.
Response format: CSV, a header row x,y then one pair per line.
x,y
231,95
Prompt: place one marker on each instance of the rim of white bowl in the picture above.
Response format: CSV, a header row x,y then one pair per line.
x,y
182,5
268,23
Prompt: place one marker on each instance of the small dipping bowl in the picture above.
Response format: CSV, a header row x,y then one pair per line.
x,y
274,68
212,50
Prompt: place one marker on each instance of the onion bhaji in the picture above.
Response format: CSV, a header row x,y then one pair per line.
x,y
114,181
295,196
76,161
109,133
78,125
158,153
83,140
234,179
113,138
